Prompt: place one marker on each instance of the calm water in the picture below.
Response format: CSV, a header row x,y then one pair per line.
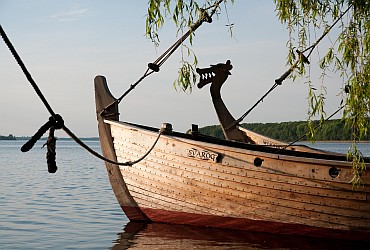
x,y
76,209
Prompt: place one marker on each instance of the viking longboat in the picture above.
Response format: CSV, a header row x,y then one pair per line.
x,y
245,182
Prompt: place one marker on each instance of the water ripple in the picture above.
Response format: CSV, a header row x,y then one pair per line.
x,y
71,209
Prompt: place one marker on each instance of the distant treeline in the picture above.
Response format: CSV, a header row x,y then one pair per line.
x,y
12,137
291,131
9,137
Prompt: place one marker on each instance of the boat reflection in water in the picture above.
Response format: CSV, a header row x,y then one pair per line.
x,y
166,236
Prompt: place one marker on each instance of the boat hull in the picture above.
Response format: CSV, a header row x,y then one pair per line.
x,y
213,221
200,181
186,181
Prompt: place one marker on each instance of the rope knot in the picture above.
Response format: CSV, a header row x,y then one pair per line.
x,y
57,121
54,122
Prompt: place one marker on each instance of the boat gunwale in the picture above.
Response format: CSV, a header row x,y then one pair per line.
x,y
331,156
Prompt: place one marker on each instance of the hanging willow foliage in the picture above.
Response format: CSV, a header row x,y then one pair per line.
x,y
348,55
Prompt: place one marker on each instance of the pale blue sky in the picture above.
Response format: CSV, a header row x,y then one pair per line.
x,y
65,44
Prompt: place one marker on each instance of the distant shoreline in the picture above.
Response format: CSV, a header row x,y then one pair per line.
x,y
336,141
24,138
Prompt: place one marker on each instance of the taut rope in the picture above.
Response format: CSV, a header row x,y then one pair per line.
x,y
155,66
317,126
301,58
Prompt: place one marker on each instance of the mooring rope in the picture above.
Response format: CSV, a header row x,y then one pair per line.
x,y
56,122
127,163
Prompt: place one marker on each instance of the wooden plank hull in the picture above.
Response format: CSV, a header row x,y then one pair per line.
x,y
218,183
181,182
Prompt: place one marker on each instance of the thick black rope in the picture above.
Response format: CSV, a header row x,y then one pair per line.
x,y
25,71
37,136
52,124
56,121
127,163
51,153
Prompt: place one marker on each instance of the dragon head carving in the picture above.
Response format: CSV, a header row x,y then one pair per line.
x,y
216,74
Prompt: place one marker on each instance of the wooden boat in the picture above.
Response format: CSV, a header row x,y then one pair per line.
x,y
236,183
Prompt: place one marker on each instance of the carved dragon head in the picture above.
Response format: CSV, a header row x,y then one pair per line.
x,y
216,74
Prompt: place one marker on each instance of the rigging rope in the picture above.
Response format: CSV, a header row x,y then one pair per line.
x,y
278,82
317,126
301,58
155,66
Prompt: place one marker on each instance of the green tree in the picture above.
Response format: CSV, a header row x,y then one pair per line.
x,y
348,54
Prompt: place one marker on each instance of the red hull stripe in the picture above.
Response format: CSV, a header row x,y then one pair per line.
x,y
164,216
134,213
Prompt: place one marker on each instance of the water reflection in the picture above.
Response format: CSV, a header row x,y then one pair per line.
x,y
163,236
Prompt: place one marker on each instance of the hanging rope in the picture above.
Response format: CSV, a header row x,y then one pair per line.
x,y
51,153
52,124
301,59
56,122
128,163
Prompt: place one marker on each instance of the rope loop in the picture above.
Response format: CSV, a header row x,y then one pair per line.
x,y
57,120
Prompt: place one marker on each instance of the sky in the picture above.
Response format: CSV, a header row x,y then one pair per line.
x,y
65,44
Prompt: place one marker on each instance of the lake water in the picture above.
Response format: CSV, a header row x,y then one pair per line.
x,y
75,209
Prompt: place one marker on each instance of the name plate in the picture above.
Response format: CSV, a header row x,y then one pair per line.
x,y
204,155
